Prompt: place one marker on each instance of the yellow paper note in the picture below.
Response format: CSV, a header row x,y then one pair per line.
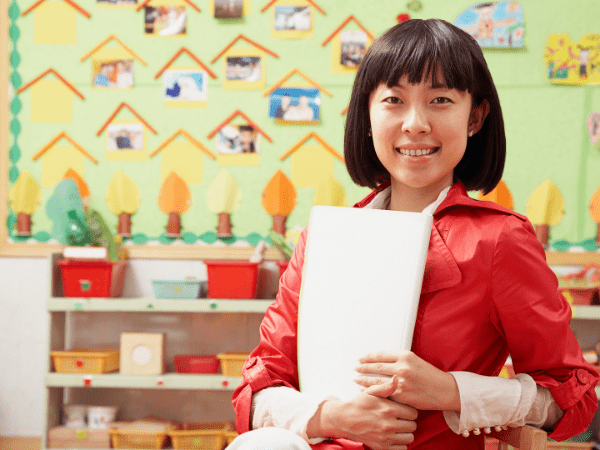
x,y
55,23
183,158
51,102
311,165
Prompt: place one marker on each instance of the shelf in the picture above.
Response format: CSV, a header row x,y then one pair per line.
x,y
586,312
167,381
151,304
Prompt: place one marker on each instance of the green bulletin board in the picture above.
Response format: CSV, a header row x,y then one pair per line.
x,y
545,123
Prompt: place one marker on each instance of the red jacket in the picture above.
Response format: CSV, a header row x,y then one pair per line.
x,y
487,293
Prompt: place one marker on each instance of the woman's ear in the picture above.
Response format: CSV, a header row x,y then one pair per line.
x,y
478,115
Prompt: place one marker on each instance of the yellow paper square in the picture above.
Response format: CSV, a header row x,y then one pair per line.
x,y
51,101
311,165
55,22
183,158
57,160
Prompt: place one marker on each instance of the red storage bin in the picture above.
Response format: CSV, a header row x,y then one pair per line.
x,y
282,266
232,279
85,278
196,363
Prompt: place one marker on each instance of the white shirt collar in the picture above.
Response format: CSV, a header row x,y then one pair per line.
x,y
382,200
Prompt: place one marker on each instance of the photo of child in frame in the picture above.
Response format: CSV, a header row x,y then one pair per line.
x,y
295,104
354,45
235,139
116,2
243,68
168,20
228,9
184,85
123,136
292,18
115,74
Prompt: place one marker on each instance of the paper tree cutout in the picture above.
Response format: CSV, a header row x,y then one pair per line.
x,y
330,193
25,197
569,62
494,24
279,200
223,197
123,200
65,209
84,191
545,208
500,195
174,199
593,126
595,213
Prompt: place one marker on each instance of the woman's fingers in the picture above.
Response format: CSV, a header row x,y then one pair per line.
x,y
381,357
384,390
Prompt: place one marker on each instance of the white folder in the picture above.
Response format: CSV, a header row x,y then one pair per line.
x,y
362,277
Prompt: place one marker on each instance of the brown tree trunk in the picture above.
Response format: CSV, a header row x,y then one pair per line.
x,y
542,232
279,224
125,224
224,227
174,224
23,224
598,235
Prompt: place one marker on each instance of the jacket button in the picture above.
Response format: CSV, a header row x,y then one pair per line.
x,y
582,376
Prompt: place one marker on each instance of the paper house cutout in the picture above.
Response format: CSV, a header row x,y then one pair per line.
x,y
348,47
239,159
289,23
494,24
569,62
192,93
175,17
135,149
142,354
285,86
58,159
251,73
183,157
311,165
103,53
51,100
55,22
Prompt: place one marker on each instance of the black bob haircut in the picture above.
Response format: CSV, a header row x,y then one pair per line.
x,y
414,49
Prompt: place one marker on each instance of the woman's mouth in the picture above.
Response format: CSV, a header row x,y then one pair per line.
x,y
417,151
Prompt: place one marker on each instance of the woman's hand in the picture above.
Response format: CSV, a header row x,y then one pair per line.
x,y
369,418
420,384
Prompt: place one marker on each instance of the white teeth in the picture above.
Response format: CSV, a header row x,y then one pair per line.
x,y
416,152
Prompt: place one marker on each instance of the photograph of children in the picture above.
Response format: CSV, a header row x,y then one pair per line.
x,y
354,45
125,136
228,9
115,74
243,68
184,85
233,139
292,18
295,104
169,20
116,2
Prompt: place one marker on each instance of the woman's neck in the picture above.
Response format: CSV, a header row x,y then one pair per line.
x,y
410,199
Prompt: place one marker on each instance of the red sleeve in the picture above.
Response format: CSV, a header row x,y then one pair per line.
x,y
273,362
534,319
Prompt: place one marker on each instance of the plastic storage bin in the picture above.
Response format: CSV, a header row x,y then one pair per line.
x,y
200,435
232,279
84,278
196,363
85,361
232,363
177,288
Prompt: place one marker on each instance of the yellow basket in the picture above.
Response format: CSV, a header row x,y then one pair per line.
x,y
230,436
138,438
85,361
200,435
232,363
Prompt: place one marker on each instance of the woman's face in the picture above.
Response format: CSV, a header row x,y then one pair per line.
x,y
420,131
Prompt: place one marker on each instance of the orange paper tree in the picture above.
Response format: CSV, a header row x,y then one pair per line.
x,y
279,200
595,213
25,197
174,199
123,200
84,191
545,208
500,195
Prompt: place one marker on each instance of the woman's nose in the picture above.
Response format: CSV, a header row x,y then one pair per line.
x,y
416,121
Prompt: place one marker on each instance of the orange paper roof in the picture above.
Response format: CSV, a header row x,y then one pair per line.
x,y
297,72
114,114
246,118
251,42
192,4
268,5
61,135
328,147
191,55
57,75
344,111
69,2
189,138
106,41
344,23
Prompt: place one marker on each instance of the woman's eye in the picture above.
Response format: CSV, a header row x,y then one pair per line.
x,y
392,100
441,100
